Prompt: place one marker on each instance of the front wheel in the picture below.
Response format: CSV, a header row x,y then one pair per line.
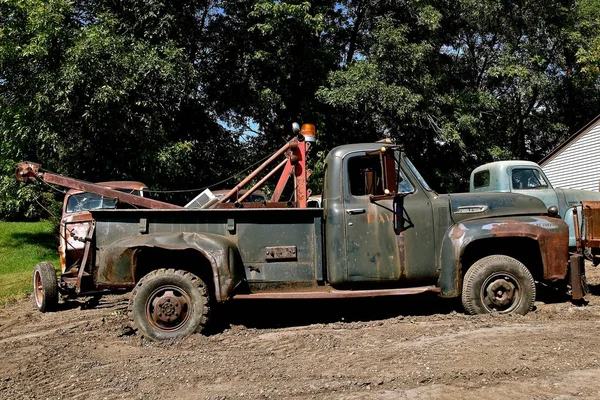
x,y
45,287
498,284
169,303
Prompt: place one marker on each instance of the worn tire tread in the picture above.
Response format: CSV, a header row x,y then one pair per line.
x,y
473,274
196,282
49,285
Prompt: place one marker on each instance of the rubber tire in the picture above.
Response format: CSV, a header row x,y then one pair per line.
x,y
482,269
49,287
187,282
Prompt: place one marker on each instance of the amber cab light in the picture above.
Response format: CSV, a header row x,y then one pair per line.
x,y
309,132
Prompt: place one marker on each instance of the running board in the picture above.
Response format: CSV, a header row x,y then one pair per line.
x,y
330,293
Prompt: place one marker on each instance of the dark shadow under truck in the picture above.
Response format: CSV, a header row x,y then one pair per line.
x,y
381,231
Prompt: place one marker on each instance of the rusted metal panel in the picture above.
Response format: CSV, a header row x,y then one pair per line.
x,y
577,276
86,255
72,229
551,235
118,260
250,231
281,253
591,223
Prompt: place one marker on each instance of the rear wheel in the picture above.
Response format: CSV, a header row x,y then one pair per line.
x,y
169,303
45,287
498,284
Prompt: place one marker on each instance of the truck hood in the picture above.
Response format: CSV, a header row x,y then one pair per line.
x,y
486,205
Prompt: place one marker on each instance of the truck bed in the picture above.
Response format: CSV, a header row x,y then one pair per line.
x,y
278,247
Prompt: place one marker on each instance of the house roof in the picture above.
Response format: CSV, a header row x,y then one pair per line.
x,y
558,149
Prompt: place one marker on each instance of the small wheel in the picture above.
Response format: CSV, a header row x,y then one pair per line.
x,y
498,284
45,287
169,303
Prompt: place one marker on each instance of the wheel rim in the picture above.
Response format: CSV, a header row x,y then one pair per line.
x,y
38,288
168,308
501,292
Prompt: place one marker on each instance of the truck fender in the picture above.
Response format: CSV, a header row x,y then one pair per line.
x,y
550,233
118,261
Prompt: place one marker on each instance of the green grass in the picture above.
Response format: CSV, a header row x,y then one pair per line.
x,y
22,246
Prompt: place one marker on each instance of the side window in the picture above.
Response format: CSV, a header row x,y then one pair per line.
x,y
417,174
481,179
404,186
527,178
365,176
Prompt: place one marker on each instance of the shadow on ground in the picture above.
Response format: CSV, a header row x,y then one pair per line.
x,y
46,240
288,313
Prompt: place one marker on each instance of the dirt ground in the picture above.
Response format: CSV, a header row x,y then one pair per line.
x,y
400,348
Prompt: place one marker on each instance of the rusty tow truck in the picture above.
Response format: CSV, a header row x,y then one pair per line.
x,y
381,231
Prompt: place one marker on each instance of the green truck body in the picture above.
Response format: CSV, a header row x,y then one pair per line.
x,y
488,248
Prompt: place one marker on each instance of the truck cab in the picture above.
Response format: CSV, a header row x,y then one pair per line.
x,y
528,178
419,237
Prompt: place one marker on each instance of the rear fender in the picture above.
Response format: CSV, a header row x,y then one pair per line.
x,y
551,234
118,263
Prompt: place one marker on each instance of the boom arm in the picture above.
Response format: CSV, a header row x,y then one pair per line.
x,y
28,171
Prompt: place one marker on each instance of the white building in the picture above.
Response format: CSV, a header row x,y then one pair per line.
x,y
575,163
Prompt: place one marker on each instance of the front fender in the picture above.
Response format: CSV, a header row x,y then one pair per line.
x,y
118,261
552,235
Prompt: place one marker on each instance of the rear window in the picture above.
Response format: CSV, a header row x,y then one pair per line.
x,y
481,179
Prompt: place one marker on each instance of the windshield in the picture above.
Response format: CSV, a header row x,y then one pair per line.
x,y
417,174
89,201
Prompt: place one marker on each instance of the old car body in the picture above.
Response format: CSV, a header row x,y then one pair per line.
x,y
528,178
76,217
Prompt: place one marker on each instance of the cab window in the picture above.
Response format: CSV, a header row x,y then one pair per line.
x,y
528,178
365,176
481,179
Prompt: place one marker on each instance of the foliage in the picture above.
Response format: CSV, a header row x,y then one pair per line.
x,y
185,94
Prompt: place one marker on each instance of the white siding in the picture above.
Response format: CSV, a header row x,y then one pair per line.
x,y
577,166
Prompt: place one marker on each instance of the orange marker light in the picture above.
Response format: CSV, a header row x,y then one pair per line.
x,y
309,132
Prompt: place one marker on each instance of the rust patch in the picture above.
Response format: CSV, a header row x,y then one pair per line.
x,y
457,232
591,223
552,235
402,255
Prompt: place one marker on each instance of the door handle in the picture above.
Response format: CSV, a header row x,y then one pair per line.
x,y
354,211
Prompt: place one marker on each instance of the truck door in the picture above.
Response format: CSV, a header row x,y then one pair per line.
x,y
374,252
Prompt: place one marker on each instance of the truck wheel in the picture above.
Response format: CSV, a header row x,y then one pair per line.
x,y
498,284
169,303
45,287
